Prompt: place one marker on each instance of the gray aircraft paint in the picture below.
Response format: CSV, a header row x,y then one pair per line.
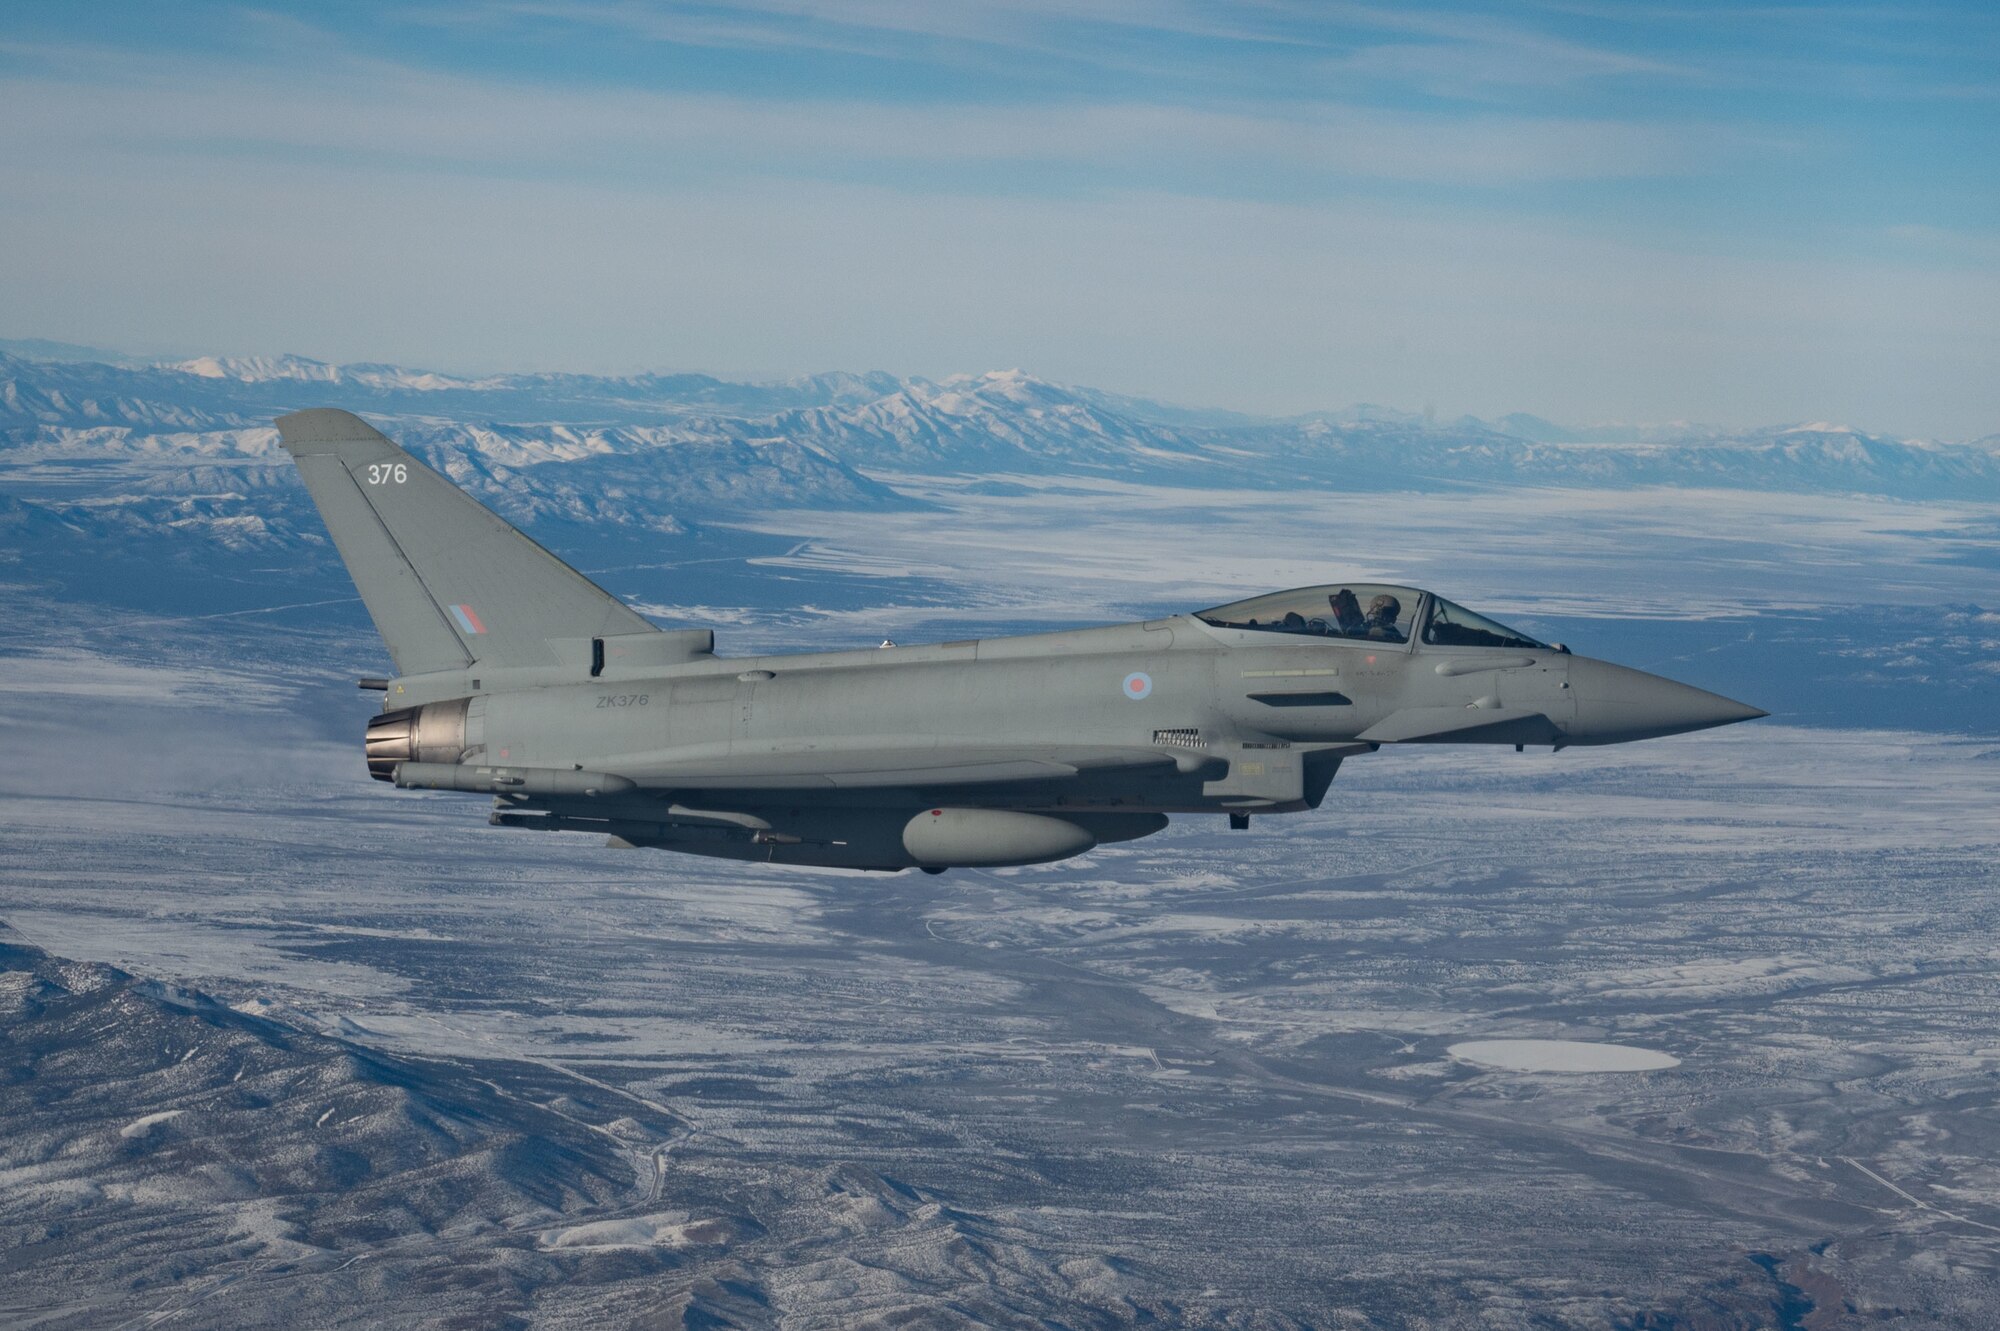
x,y
522,679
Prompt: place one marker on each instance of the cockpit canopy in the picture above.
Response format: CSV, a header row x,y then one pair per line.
x,y
1369,612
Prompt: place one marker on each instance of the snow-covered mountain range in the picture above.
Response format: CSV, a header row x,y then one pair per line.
x,y
189,445
330,1059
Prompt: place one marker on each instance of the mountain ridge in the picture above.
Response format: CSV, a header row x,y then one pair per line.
x,y
188,448
840,387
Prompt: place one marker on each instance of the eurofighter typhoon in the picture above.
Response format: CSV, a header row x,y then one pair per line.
x,y
522,680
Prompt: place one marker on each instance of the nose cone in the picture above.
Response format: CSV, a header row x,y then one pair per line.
x,y
1615,704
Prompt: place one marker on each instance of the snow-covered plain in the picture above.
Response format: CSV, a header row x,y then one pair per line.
x,y
1110,1060
397,1067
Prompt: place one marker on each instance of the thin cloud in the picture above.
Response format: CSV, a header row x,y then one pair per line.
x,y
1019,24
1256,226
399,114
1460,69
1460,52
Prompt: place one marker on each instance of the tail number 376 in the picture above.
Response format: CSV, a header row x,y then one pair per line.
x,y
387,473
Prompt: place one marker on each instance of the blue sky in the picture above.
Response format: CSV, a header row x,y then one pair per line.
x,y
1737,213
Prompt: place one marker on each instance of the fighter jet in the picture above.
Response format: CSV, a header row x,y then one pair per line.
x,y
521,680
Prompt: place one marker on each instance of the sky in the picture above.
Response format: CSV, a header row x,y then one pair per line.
x,y
1742,214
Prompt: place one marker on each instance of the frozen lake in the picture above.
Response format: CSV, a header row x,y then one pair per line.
x,y
1560,1056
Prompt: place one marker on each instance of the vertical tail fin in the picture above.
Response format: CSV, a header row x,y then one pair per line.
x,y
446,581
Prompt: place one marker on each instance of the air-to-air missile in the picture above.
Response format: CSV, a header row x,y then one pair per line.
x,y
522,680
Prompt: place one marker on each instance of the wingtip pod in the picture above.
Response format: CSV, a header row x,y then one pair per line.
x,y
324,430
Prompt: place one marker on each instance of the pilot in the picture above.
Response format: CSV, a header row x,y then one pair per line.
x,y
1347,613
1294,622
1381,621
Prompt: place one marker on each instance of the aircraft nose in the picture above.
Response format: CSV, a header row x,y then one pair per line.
x,y
1615,703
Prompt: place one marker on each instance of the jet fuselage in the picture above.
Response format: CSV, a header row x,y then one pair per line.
x,y
1173,715
522,679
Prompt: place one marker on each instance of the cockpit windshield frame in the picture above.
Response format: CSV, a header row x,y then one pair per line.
x,y
1359,613
1369,614
1448,624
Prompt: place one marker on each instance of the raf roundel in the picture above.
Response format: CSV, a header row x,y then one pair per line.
x,y
1138,684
